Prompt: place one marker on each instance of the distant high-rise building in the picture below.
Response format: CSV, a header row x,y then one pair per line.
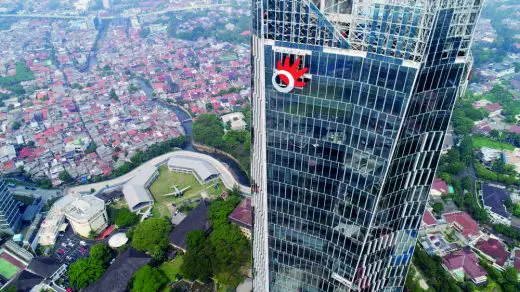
x,y
106,4
351,102
9,211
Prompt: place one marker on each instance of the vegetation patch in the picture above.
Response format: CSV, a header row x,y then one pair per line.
x,y
479,142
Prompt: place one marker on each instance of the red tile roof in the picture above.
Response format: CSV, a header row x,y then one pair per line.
x,y
464,223
466,260
492,107
242,215
439,185
428,219
493,248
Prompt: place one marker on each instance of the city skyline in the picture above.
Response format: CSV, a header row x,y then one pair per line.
x,y
343,161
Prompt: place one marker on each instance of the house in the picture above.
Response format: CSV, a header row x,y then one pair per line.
x,y
467,229
243,217
120,273
197,219
489,155
494,108
235,120
40,270
439,187
494,251
428,220
463,264
493,198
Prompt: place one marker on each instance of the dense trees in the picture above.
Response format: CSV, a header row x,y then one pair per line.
x,y
151,234
102,253
431,268
209,130
125,218
85,272
148,279
65,177
221,254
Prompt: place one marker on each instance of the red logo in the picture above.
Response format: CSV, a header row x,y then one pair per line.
x,y
290,75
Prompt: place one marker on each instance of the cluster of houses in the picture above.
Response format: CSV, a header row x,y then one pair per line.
x,y
460,242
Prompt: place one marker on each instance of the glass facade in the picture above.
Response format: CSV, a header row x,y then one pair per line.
x,y
342,165
9,212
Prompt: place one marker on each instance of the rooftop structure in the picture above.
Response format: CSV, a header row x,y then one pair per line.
x,y
117,240
493,198
54,221
136,190
428,219
119,273
197,219
463,223
86,214
235,120
439,187
203,171
464,263
494,250
243,216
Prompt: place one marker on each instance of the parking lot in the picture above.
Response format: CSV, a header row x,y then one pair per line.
x,y
69,247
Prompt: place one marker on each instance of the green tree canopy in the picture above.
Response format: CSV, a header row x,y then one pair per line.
x,y
102,253
85,272
125,218
208,130
151,233
148,279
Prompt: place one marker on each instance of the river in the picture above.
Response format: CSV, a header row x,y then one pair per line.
x,y
186,120
187,124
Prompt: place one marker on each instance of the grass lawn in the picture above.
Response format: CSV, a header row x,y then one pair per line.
x,y
173,268
490,287
7,270
479,142
164,185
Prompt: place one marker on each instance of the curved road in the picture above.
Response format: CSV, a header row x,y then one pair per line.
x,y
226,176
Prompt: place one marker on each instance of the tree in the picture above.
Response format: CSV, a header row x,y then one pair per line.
x,y
467,183
125,218
113,95
198,261
102,253
510,279
85,272
65,177
150,234
16,125
438,207
208,130
148,279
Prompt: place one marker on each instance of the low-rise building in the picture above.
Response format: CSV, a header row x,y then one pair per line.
x,y
494,251
243,217
439,187
197,219
136,190
236,121
493,198
87,214
203,171
463,264
467,229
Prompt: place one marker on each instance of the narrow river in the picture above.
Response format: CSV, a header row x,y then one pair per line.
x,y
186,120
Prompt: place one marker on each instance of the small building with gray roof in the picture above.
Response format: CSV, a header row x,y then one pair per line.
x,y
136,190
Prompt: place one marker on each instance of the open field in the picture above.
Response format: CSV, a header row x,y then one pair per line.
x,y
479,142
7,270
163,185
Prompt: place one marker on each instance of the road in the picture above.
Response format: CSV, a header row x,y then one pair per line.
x,y
225,174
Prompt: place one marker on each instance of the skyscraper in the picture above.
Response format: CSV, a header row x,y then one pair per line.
x,y
351,102
9,211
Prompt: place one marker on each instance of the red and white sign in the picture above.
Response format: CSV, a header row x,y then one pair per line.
x,y
290,76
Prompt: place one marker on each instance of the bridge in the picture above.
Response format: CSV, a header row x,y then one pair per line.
x,y
85,17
